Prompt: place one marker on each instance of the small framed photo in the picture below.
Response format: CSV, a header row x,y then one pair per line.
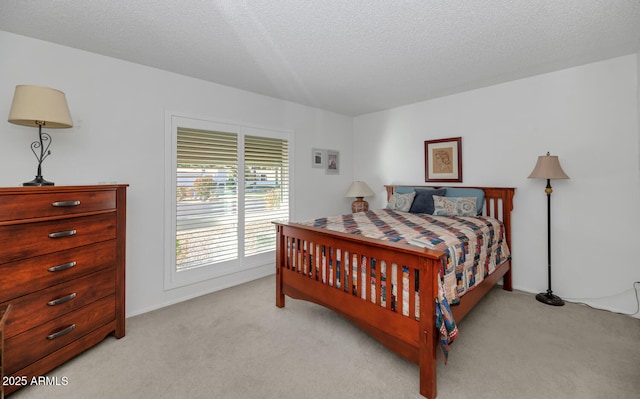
x,y
318,156
333,162
443,160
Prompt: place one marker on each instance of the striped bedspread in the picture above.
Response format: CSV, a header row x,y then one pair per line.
x,y
474,246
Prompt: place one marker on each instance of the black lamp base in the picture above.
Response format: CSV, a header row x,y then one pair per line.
x,y
549,298
38,181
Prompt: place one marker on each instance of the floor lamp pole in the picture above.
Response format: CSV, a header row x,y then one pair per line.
x,y
548,297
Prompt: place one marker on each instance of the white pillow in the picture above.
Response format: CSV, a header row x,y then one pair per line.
x,y
401,202
454,206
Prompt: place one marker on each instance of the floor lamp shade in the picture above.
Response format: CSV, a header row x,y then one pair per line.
x,y
548,167
39,107
359,190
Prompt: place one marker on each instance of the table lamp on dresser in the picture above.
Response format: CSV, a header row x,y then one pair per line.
x,y
40,107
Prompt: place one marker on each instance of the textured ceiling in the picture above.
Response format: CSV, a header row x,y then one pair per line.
x,y
352,57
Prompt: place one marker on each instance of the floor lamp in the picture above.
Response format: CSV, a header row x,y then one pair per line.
x,y
548,167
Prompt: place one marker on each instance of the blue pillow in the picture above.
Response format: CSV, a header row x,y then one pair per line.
x,y
468,192
404,190
423,202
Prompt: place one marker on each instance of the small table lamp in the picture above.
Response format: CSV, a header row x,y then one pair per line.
x,y
359,190
40,106
548,167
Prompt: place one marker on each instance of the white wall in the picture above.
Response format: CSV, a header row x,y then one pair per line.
x,y
119,114
588,116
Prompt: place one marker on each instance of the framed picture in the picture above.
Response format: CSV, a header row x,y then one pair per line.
x,y
318,156
333,162
443,160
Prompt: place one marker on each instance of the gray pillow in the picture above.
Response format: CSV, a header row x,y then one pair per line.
x,y
423,202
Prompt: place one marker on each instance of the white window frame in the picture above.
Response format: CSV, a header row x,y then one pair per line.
x,y
173,278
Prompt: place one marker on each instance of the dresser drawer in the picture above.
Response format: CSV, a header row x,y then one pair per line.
x,y
33,239
42,306
35,205
33,274
24,349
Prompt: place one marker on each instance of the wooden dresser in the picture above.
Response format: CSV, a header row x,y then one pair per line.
x,y
62,268
4,313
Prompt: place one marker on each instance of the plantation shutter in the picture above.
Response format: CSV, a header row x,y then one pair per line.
x,y
266,186
207,198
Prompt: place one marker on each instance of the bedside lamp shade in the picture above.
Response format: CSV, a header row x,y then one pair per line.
x,y
39,106
359,190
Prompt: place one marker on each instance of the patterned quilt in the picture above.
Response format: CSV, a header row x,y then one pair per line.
x,y
474,246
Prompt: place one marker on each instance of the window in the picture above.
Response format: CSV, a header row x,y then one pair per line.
x,y
229,184
206,197
266,191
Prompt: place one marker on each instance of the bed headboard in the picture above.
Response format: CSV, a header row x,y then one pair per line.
x,y
498,202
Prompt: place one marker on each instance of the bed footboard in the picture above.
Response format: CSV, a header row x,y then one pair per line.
x,y
373,284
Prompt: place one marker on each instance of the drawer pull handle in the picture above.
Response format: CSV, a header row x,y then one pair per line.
x,y
62,267
60,234
62,332
65,203
61,300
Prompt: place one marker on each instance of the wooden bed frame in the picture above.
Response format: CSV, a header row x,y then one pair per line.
x,y
413,337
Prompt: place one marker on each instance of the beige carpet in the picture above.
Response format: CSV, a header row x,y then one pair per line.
x,y
236,344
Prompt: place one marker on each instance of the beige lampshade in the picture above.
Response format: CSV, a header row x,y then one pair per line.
x,y
37,105
548,167
359,189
